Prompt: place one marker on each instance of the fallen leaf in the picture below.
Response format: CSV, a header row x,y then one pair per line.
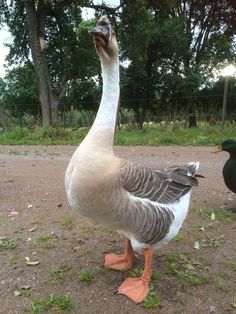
x,y
213,216
33,229
27,287
17,293
31,263
196,245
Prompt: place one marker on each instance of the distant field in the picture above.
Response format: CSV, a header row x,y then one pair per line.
x,y
155,134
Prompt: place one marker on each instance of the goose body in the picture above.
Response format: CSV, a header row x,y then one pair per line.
x,y
229,169
147,206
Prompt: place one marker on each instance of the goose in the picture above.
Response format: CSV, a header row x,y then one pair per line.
x,y
147,206
229,169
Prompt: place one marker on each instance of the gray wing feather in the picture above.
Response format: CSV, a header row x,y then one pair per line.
x,y
162,186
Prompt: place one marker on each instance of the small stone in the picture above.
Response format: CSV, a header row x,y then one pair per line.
x,y
212,309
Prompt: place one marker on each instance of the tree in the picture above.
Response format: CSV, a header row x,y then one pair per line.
x,y
204,39
47,29
172,45
18,92
136,31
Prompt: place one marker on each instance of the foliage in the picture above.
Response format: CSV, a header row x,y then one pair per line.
x,y
18,92
136,29
54,303
86,276
150,135
187,269
152,300
171,47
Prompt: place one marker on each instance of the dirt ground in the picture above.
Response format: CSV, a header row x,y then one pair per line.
x,y
36,222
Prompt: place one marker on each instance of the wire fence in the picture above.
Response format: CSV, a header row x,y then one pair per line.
x,y
165,110
77,119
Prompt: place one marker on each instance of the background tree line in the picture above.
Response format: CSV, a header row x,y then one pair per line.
x,y
169,49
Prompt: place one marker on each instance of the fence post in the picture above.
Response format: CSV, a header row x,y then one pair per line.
x,y
224,102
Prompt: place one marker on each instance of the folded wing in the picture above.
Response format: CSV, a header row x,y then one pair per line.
x,y
161,186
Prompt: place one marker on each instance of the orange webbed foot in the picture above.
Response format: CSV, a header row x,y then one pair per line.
x,y
118,262
135,288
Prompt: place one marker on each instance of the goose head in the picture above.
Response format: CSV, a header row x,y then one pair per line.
x,y
105,40
229,146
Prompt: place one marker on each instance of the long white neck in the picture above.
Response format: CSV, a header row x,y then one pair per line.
x,y
103,129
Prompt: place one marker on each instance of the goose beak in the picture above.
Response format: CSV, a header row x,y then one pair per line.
x,y
101,33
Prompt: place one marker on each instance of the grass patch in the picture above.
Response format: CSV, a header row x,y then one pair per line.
x,y
34,222
105,229
220,285
8,244
80,251
43,242
223,274
179,237
233,266
221,215
86,276
152,300
26,293
134,272
85,228
66,223
154,134
61,270
7,181
52,304
12,259
211,242
187,269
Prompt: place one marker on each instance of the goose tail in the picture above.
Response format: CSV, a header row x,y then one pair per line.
x,y
192,168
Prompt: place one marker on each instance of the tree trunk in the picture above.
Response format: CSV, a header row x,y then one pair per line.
x,y
48,100
139,115
192,119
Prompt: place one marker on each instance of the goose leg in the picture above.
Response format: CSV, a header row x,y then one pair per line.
x,y
137,288
120,262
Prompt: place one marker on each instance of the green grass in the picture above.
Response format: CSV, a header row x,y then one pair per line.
x,y
86,276
220,285
66,223
233,266
221,215
60,272
150,135
152,300
179,237
212,242
8,244
12,259
187,269
134,272
44,241
51,304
